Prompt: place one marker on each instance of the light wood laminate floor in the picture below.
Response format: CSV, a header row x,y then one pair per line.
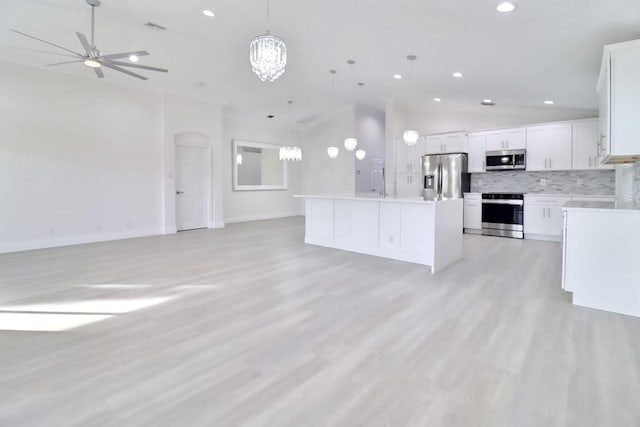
x,y
251,327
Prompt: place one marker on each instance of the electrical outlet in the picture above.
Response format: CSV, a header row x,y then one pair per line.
x,y
543,182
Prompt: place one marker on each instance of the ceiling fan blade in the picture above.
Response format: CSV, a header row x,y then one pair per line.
x,y
99,73
38,51
143,67
84,42
125,54
122,70
44,41
62,63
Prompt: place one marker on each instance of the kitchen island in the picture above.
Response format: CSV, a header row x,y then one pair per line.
x,y
600,256
406,229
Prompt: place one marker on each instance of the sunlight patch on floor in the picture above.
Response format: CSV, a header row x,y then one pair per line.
x,y
46,322
100,306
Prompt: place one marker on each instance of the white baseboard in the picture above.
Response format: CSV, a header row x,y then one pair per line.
x,y
75,240
543,237
261,217
170,230
220,224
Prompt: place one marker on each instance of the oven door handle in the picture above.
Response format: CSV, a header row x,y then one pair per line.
x,y
504,202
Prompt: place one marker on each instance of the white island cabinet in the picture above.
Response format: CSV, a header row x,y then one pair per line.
x,y
413,230
600,256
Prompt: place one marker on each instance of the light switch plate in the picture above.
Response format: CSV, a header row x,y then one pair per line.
x,y
543,182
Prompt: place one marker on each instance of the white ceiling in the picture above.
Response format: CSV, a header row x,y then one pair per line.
x,y
547,49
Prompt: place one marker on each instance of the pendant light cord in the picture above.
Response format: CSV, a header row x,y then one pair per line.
x,y
268,19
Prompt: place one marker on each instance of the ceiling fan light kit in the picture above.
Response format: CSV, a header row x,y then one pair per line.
x,y
93,58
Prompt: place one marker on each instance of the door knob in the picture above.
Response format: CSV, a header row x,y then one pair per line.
x,y
179,192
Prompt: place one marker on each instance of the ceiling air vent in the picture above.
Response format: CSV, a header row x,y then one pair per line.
x,y
155,26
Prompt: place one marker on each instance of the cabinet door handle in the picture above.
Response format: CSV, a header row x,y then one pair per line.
x,y
550,167
544,212
548,212
589,161
545,162
484,166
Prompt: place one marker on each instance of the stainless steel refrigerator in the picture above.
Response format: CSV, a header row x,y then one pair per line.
x,y
445,176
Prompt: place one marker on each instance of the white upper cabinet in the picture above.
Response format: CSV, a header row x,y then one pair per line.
x,y
455,142
506,139
619,92
409,156
477,142
586,145
549,147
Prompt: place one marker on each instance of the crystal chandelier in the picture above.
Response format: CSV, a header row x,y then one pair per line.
x,y
333,152
361,154
268,55
410,136
293,154
350,144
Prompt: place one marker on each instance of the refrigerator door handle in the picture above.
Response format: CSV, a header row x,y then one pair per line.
x,y
440,180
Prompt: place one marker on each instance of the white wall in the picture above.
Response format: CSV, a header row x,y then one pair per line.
x,y
80,160
321,174
370,130
253,205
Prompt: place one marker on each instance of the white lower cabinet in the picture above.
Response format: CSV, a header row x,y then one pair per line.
x,y
543,217
408,185
472,212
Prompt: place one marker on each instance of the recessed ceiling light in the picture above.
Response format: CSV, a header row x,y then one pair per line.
x,y
457,74
133,58
488,102
208,13
549,102
397,76
506,7
437,99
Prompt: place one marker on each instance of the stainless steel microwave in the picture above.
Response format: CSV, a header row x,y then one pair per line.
x,y
506,160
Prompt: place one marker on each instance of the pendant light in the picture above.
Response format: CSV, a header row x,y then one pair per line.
x,y
333,151
350,143
291,153
268,54
410,136
360,154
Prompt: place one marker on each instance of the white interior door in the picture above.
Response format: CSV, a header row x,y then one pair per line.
x,y
377,174
191,188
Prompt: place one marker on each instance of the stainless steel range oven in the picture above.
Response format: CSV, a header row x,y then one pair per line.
x,y
503,214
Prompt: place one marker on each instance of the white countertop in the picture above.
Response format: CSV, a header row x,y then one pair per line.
x,y
607,206
374,197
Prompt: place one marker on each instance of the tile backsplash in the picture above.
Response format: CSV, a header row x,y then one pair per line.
x,y
636,185
587,182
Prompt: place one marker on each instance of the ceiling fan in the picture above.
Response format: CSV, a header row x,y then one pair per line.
x,y
93,58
